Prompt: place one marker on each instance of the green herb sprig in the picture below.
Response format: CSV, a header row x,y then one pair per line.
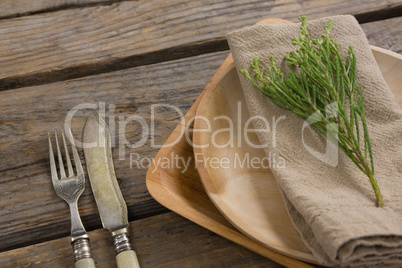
x,y
322,80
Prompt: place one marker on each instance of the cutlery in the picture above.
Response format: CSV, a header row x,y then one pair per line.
x,y
70,189
111,205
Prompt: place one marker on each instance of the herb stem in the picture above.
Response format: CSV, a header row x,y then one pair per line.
x,y
321,85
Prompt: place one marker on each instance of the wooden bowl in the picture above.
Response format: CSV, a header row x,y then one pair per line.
x,y
248,196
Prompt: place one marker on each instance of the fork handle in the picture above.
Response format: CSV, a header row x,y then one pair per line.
x,y
85,263
82,253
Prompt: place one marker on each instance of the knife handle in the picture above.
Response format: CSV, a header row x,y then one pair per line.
x,y
127,259
125,255
82,253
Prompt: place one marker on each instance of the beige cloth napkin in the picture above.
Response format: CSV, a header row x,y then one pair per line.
x,y
333,208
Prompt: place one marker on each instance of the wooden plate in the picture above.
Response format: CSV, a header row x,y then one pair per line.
x,y
246,193
181,190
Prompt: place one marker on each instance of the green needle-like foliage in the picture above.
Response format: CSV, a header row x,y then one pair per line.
x,y
323,88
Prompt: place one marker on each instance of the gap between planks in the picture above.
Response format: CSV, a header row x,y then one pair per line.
x,y
10,9
49,56
132,92
166,240
151,83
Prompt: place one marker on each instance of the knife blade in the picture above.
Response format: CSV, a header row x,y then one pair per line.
x,y
109,200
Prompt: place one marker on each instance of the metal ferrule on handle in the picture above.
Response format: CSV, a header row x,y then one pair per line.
x,y
121,242
81,249
111,205
125,255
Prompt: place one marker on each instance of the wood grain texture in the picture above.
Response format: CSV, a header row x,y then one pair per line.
x,y
74,43
30,206
166,240
27,114
60,42
378,34
16,8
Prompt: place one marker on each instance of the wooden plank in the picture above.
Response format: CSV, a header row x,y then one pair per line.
x,y
30,207
166,240
74,43
385,33
17,8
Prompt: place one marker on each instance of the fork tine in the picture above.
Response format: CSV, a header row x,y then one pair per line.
x,y
69,167
76,156
61,165
53,169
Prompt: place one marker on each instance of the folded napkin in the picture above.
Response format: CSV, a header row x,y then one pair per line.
x,y
333,208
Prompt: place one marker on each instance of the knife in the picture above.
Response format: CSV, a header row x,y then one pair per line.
x,y
111,205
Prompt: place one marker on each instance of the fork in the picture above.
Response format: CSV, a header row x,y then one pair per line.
x,y
70,189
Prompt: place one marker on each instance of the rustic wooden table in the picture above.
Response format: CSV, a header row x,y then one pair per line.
x,y
57,56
